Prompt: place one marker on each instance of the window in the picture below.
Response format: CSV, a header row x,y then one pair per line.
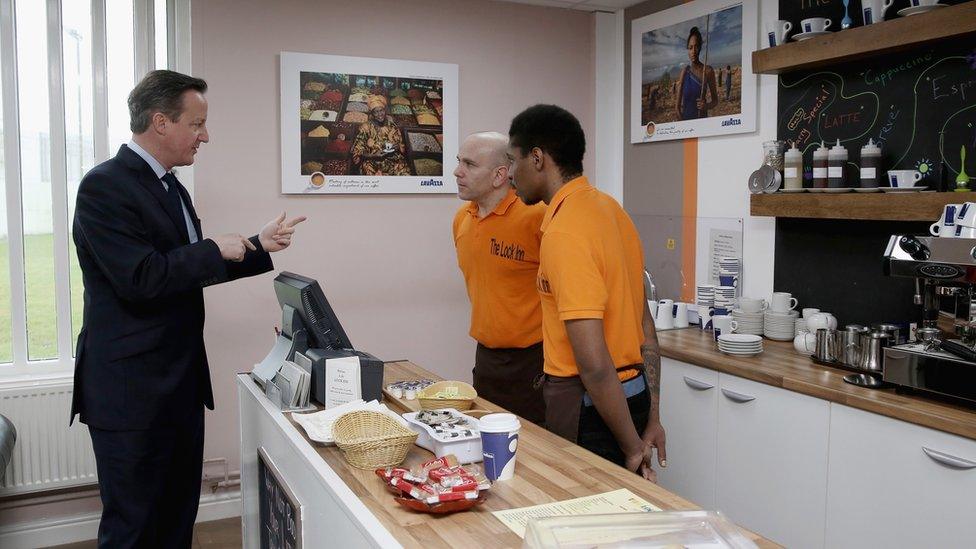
x,y
67,67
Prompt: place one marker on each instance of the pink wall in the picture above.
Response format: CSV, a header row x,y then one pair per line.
x,y
386,262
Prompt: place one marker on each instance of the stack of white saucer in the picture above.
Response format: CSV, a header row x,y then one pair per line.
x,y
725,297
705,295
740,344
780,326
748,323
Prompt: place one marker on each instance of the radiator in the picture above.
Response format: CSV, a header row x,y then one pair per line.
x,y
48,454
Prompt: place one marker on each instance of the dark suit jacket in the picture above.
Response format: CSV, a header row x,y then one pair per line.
x,y
140,360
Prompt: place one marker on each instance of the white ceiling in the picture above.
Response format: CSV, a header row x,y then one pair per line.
x,y
583,5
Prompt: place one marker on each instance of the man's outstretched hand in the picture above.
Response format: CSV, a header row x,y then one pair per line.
x,y
276,235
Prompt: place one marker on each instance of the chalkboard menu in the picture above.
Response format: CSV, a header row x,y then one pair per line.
x,y
919,105
280,512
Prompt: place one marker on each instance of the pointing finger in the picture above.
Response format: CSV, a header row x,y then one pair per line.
x,y
295,221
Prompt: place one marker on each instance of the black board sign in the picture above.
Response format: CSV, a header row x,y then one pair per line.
x,y
918,104
279,510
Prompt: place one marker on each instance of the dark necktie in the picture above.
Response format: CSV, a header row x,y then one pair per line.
x,y
174,204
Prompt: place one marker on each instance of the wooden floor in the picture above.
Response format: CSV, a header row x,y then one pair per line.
x,y
218,534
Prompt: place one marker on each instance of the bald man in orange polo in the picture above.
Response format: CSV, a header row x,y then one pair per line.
x,y
497,240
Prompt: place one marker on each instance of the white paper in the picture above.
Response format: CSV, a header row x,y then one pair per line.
x,y
819,173
723,243
617,501
342,381
835,171
792,172
869,173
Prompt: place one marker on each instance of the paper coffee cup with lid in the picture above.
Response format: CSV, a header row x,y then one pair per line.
x,y
499,443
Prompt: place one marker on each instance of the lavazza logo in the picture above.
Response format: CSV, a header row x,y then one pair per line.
x,y
431,183
732,122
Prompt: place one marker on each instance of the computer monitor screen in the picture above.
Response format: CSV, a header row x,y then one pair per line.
x,y
305,296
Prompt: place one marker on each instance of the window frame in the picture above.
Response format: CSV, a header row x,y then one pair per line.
x,y
22,370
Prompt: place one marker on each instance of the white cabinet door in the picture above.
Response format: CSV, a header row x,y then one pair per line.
x,y
689,413
772,461
894,484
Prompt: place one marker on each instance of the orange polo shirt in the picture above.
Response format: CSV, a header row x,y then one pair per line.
x,y
591,266
499,258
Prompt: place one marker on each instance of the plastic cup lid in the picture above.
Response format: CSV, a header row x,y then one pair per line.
x,y
499,423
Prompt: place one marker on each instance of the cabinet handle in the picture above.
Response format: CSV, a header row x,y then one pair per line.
x,y
697,385
948,460
737,397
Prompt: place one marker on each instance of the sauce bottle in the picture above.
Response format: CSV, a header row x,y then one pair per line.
x,y
836,161
793,170
870,165
820,167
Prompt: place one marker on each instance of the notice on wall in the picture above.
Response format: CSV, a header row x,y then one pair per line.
x,y
342,383
618,501
722,243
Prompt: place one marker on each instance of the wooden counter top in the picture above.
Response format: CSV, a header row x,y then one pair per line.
x,y
548,469
779,365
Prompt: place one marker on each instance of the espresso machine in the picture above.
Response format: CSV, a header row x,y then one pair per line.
x,y
944,270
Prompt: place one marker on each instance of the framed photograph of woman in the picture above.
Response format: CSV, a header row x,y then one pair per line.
x,y
354,125
691,71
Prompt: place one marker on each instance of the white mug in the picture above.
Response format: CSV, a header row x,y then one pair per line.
x,y
776,31
681,315
752,305
966,215
807,312
815,24
821,321
805,343
874,10
965,232
665,314
723,324
904,178
782,302
946,225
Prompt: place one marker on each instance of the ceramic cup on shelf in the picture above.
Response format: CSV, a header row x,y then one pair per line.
x,y
777,31
782,302
815,24
874,10
964,232
819,321
966,215
805,343
903,178
752,305
946,225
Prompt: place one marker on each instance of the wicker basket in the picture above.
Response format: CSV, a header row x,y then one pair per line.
x,y
464,400
370,440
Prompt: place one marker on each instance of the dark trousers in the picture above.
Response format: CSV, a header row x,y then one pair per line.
x,y
596,436
150,484
506,378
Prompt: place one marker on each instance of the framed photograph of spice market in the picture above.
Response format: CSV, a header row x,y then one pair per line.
x,y
356,125
691,71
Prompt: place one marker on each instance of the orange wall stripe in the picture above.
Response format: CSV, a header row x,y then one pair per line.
x,y
689,219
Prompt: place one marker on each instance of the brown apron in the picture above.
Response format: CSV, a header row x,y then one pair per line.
x,y
564,400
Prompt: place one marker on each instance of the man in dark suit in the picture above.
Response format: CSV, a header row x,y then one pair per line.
x,y
141,372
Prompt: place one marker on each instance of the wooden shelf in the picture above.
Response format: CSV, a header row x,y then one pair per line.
x,y
859,42
867,206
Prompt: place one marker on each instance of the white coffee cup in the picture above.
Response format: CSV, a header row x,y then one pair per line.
x,y
665,314
874,10
946,225
681,316
723,324
782,302
752,305
499,444
815,24
904,178
821,321
807,312
652,307
776,31
966,215
805,343
965,232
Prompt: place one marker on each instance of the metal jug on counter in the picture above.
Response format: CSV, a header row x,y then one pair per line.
x,y
872,351
826,350
849,345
